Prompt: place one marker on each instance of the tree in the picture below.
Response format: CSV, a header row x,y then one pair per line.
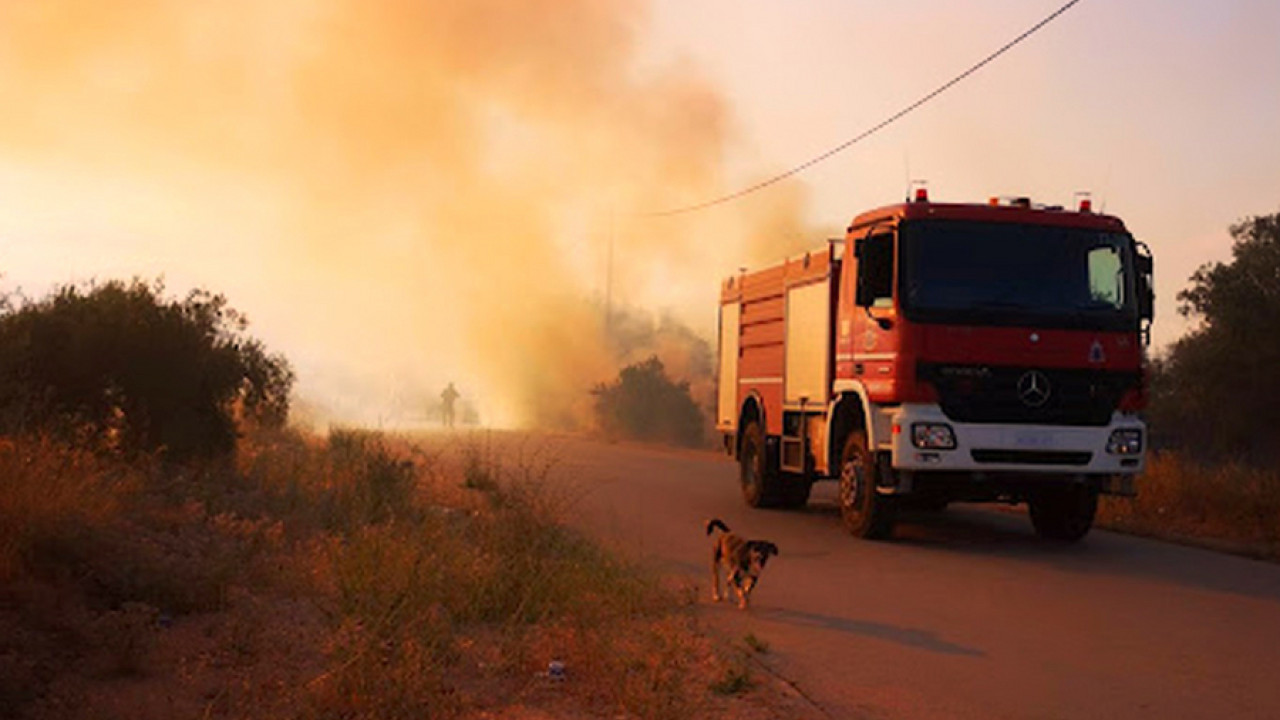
x,y
118,366
644,404
1217,391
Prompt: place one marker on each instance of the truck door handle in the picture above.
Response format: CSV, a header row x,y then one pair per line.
x,y
858,369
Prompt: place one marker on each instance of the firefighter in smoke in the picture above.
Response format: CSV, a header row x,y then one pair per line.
x,y
447,399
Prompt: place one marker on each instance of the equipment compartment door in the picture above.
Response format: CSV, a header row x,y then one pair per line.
x,y
727,416
808,343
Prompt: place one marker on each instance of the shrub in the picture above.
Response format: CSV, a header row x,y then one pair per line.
x,y
117,366
1212,394
1180,497
645,404
51,497
411,593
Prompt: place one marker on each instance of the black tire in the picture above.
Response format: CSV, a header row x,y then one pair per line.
x,y
1064,514
759,487
865,512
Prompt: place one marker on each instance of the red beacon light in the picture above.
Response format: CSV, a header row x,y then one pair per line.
x,y
1085,204
920,192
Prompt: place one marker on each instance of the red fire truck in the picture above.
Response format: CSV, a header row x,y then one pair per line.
x,y
943,352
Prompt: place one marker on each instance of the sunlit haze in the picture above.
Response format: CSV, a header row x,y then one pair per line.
x,y
399,195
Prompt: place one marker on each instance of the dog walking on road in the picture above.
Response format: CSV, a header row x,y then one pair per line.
x,y
743,561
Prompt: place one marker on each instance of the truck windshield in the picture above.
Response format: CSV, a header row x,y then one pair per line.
x,y
1006,274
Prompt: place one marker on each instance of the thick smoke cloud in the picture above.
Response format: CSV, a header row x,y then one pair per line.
x,y
432,185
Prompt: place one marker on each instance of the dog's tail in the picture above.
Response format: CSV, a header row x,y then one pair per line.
x,y
715,523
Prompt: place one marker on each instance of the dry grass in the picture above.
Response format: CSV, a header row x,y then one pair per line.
x,y
53,497
433,592
493,587
95,555
1231,506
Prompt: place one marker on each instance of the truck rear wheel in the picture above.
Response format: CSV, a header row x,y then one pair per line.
x,y
1063,513
865,512
759,487
762,485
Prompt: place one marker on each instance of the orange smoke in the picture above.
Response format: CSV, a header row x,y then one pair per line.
x,y
403,192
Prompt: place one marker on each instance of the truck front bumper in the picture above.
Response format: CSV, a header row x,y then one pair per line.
x,y
1024,449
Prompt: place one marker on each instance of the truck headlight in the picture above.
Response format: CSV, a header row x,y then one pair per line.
x,y
1125,442
933,436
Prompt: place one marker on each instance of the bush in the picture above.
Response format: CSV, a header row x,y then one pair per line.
x,y
413,594
644,404
1212,395
51,497
442,591
116,366
353,480
1178,497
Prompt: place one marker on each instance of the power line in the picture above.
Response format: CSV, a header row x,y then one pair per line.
x,y
868,132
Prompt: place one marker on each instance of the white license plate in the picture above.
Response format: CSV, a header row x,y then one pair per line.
x,y
1033,440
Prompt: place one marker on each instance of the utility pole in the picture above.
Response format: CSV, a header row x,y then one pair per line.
x,y
608,282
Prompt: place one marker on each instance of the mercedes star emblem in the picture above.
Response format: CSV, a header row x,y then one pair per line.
x,y
1033,388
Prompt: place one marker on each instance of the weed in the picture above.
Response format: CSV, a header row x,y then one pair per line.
x,y
756,644
480,469
1178,497
54,499
406,579
368,483
735,678
126,636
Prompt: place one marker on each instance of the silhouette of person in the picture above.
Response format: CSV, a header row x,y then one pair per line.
x,y
448,398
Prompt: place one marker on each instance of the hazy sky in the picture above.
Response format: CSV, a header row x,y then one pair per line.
x,y
1169,112
402,194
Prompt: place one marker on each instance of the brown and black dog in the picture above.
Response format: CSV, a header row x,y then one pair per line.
x,y
743,561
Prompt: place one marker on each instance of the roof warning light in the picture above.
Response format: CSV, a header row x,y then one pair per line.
x,y
920,191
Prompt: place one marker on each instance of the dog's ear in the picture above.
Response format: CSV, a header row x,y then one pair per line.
x,y
764,547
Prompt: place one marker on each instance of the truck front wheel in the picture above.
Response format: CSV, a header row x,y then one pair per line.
x,y
1063,513
865,512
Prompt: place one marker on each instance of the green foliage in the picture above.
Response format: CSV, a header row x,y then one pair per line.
x,y
645,404
118,366
1215,392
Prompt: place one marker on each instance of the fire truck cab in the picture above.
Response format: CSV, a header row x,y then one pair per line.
x,y
943,352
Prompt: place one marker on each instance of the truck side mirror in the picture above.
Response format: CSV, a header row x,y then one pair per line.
x,y
1146,282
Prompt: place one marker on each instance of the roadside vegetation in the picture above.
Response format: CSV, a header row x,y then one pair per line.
x,y
645,404
229,566
665,388
1226,506
119,368
1215,409
351,577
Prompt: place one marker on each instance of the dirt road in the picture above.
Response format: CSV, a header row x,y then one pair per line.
x,y
966,614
